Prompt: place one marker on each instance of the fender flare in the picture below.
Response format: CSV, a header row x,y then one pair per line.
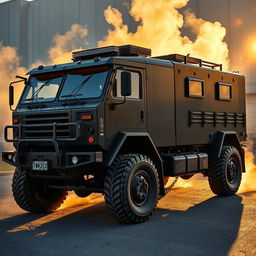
x,y
222,138
124,139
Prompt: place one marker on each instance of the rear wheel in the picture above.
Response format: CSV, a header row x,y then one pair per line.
x,y
32,196
225,173
131,188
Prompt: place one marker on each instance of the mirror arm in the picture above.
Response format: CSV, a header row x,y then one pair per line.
x,y
115,104
15,82
23,79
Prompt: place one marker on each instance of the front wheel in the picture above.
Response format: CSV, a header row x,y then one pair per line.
x,y
131,188
225,173
32,196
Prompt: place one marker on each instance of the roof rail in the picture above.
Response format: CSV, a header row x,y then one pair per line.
x,y
111,51
190,60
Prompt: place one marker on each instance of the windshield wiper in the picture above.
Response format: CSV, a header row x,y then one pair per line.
x,y
30,99
38,90
71,95
74,93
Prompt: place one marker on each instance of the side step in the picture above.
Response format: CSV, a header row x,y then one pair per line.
x,y
182,164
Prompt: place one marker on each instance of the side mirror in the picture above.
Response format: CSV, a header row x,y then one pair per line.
x,y
126,83
11,95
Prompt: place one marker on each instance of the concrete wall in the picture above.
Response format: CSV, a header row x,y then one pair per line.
x,y
47,17
13,26
30,26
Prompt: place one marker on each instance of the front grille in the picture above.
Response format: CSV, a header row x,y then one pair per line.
x,y
46,131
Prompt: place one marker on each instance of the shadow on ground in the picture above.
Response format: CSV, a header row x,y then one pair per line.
x,y
207,228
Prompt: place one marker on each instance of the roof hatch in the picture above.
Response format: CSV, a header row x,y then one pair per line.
x,y
111,51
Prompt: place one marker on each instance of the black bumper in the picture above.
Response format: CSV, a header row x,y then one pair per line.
x,y
55,162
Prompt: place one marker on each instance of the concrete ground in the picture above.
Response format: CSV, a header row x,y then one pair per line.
x,y
5,168
189,221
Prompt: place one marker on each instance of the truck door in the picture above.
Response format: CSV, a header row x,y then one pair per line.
x,y
126,115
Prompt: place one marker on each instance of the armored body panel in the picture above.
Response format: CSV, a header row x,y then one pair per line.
x,y
120,123
199,116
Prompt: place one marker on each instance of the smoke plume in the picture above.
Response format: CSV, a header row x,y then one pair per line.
x,y
64,45
10,66
159,29
249,178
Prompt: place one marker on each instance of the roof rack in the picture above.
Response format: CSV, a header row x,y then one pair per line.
x,y
190,60
111,51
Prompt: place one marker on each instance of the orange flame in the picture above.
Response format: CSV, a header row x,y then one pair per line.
x,y
73,200
249,178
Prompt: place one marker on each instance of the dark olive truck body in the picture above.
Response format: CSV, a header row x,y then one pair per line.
x,y
168,130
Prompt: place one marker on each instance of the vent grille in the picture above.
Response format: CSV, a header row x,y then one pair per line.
x,y
46,131
214,118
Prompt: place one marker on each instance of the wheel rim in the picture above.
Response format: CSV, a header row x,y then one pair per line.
x,y
140,188
232,170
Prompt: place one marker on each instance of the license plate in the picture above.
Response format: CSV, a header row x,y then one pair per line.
x,y
40,165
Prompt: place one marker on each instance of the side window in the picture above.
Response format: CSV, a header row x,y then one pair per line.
x,y
194,87
223,91
136,85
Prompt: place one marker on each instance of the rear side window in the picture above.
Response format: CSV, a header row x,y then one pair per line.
x,y
223,91
194,87
136,85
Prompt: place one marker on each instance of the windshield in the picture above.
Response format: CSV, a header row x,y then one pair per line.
x,y
42,88
85,83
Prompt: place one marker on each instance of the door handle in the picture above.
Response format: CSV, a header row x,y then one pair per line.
x,y
142,115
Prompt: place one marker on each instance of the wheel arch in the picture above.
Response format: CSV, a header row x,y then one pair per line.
x,y
137,142
226,138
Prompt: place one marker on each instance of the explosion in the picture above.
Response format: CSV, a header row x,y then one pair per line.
x,y
73,200
9,68
159,29
248,183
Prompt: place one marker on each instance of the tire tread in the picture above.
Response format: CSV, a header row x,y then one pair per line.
x,y
115,184
216,173
24,196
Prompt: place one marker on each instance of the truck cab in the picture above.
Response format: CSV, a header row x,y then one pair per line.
x,y
117,122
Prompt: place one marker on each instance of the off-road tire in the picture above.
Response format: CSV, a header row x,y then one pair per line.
x,y
121,194
30,194
225,173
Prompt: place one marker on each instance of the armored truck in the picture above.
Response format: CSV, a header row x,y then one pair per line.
x,y
119,122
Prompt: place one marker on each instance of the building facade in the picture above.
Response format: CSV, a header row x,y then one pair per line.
x,y
30,26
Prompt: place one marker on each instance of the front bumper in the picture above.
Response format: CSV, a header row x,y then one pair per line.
x,y
25,160
58,159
